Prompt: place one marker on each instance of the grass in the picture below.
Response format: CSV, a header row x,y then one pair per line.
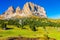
x,y
18,32
52,33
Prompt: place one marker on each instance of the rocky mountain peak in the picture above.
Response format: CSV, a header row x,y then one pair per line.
x,y
30,9
9,13
18,9
10,8
33,9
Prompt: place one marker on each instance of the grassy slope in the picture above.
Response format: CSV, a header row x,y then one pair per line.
x,y
52,33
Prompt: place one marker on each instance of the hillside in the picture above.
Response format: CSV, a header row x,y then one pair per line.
x,y
30,28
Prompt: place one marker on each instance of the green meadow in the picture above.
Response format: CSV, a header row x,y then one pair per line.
x,y
30,28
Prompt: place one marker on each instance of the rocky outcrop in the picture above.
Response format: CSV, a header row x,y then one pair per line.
x,y
10,10
28,10
33,9
9,13
18,10
1,17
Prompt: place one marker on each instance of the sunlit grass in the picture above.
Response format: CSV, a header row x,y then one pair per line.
x,y
51,32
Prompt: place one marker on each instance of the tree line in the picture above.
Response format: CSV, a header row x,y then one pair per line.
x,y
32,22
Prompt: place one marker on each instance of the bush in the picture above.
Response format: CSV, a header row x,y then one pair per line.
x,y
3,26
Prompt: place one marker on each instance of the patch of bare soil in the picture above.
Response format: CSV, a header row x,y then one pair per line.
x,y
24,38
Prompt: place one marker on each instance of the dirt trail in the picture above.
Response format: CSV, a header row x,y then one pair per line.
x,y
24,38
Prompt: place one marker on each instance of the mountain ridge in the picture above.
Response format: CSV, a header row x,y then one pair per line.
x,y
29,10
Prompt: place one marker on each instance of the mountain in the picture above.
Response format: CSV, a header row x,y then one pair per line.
x,y
9,12
29,9
33,9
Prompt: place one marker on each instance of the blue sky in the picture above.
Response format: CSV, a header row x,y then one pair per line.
x,y
52,7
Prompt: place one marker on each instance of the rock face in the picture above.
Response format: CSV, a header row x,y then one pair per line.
x,y
28,10
1,17
18,10
33,9
9,13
